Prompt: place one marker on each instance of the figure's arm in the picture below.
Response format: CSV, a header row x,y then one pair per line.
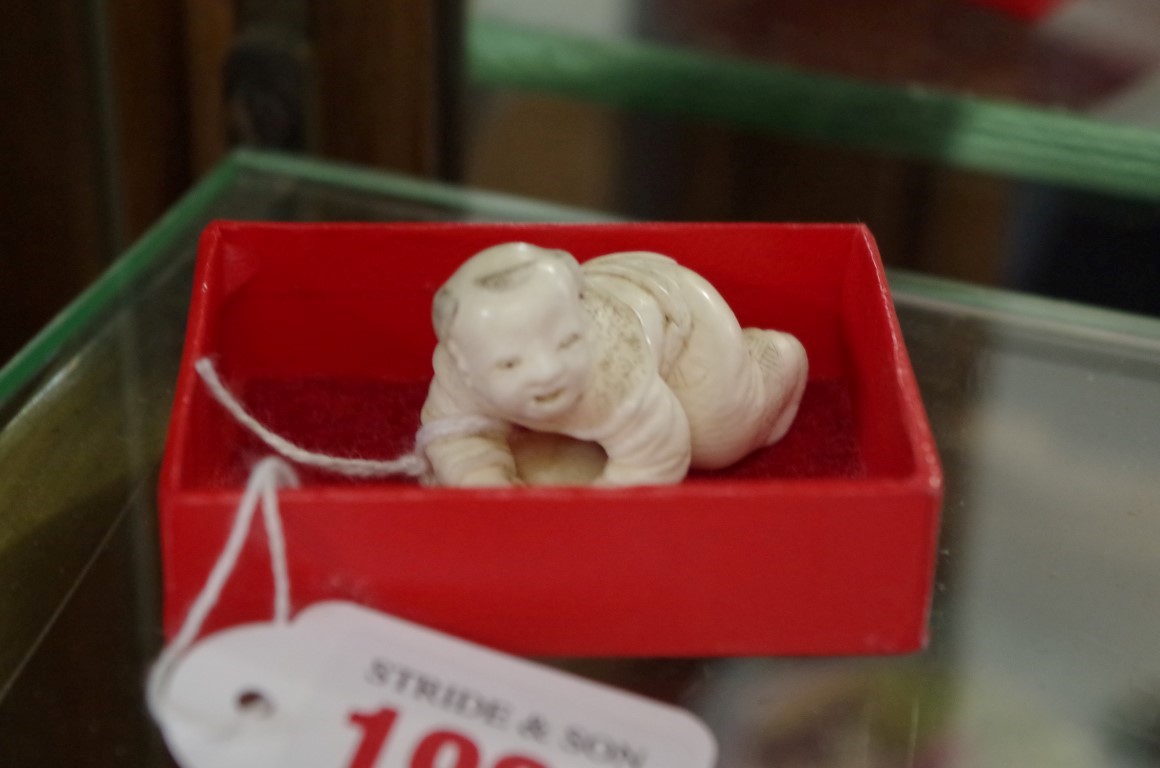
x,y
482,459
651,443
477,461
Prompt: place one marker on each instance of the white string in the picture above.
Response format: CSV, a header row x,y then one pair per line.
x,y
276,539
262,488
413,464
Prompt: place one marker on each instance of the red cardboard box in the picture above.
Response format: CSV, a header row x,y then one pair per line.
x,y
821,544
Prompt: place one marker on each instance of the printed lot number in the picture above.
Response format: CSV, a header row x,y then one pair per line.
x,y
432,751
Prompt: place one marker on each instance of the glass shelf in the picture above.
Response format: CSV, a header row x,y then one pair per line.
x,y
1003,137
1047,417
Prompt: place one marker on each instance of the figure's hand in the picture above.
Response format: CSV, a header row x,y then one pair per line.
x,y
490,477
621,476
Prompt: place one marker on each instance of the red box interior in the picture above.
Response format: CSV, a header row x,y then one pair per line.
x,y
822,543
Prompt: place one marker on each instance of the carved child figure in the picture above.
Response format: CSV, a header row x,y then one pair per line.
x,y
631,351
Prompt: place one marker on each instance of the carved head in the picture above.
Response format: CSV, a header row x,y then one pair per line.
x,y
513,320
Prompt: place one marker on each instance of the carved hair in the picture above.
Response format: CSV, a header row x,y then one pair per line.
x,y
497,270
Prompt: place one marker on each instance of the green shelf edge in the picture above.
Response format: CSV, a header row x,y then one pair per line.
x,y
494,205
974,134
73,320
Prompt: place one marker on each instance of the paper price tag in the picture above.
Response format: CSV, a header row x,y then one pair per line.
x,y
347,687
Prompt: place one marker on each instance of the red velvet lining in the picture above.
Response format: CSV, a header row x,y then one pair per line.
x,y
371,418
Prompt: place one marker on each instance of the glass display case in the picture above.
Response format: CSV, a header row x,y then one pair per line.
x,y
1047,417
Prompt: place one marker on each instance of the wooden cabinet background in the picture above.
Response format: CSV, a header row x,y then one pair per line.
x,y
113,109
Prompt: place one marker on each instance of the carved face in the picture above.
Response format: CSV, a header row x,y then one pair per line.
x,y
526,351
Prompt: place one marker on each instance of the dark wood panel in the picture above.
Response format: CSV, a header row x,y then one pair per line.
x,y
52,235
210,29
383,81
151,109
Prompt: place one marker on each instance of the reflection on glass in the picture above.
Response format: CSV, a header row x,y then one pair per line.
x,y
1043,644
